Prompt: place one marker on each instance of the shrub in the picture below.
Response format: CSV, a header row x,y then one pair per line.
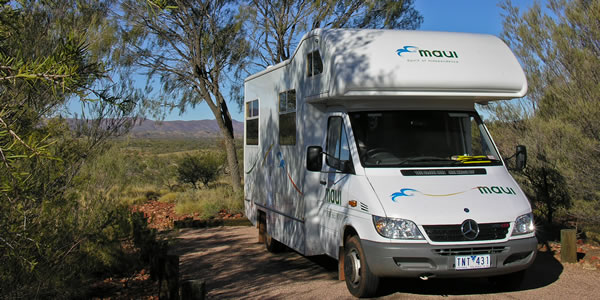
x,y
168,197
203,167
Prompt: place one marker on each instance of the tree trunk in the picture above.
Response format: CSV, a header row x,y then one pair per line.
x,y
225,124
221,113
234,167
547,200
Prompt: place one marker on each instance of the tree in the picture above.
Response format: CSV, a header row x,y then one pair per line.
x,y
49,237
559,48
548,190
189,45
203,168
277,25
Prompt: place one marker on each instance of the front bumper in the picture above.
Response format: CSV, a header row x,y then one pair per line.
x,y
414,260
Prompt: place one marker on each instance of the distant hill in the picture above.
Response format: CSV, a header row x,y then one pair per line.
x,y
182,129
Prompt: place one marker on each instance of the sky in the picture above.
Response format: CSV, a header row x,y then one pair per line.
x,y
476,16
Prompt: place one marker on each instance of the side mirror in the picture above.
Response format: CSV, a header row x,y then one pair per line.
x,y
521,157
314,158
346,166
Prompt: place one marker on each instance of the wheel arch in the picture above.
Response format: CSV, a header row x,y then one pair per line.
x,y
348,231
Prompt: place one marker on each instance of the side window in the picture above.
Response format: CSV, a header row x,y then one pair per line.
x,y
287,118
252,122
337,143
314,64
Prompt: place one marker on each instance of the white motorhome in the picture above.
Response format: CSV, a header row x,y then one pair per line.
x,y
366,146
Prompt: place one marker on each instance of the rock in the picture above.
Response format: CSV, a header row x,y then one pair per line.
x,y
588,266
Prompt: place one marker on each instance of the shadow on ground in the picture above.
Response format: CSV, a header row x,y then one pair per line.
x,y
544,271
234,265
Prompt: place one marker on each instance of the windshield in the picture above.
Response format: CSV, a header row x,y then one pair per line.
x,y
422,138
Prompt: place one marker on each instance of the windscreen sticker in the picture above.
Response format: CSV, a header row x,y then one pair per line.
x,y
492,190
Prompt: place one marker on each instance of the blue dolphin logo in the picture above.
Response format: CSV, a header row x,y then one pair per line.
x,y
403,193
406,49
281,160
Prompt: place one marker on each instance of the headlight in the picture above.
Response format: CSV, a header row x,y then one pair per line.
x,y
397,228
524,224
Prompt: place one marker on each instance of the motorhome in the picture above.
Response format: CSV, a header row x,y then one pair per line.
x,y
365,145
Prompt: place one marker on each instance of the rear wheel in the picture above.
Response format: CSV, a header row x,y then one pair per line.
x,y
359,279
273,245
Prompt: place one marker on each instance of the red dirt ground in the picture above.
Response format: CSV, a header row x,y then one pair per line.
x,y
162,216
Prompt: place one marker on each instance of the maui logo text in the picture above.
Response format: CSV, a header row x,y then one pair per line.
x,y
333,196
427,53
496,190
484,190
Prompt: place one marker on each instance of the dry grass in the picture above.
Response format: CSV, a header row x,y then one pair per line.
x,y
208,202
138,194
169,197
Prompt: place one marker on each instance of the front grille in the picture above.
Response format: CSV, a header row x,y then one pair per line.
x,y
469,251
453,233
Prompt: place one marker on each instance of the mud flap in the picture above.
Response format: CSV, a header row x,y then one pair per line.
x,y
262,226
341,264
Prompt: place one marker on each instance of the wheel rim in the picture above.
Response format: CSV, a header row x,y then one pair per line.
x,y
355,264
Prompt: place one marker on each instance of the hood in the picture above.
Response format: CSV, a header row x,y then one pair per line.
x,y
436,197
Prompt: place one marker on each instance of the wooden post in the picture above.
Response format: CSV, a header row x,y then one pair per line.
x,y
568,246
193,290
172,274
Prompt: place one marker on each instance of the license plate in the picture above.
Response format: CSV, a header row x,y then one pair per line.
x,y
469,262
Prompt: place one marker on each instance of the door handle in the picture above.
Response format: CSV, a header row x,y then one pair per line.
x,y
322,182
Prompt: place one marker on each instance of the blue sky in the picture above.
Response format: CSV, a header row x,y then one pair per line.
x,y
477,16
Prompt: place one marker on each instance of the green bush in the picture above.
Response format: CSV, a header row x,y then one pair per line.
x,y
203,167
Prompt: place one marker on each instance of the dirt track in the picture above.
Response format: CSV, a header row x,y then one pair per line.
x,y
234,265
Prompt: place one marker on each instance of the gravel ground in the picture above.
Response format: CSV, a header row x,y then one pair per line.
x,y
234,265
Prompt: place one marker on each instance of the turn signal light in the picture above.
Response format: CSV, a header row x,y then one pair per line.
x,y
352,203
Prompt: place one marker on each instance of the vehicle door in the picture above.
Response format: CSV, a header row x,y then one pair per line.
x,y
333,181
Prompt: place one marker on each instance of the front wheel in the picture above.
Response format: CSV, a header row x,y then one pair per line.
x,y
359,279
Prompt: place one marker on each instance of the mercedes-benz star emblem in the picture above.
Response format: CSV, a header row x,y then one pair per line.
x,y
469,229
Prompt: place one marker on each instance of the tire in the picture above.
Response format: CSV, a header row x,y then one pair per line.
x,y
510,282
359,279
273,245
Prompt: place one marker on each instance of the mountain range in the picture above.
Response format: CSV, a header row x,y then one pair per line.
x,y
182,129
